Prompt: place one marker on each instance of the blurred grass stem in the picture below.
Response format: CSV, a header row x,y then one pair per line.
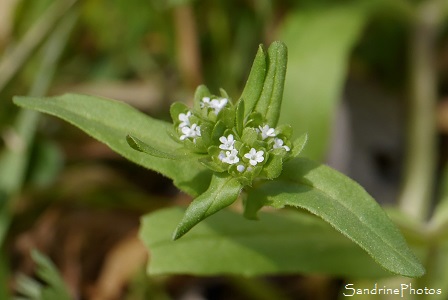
x,y
416,194
14,161
187,41
17,57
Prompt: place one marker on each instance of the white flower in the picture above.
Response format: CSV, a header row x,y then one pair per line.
x,y
240,168
205,102
185,119
254,156
227,143
231,157
218,104
190,132
221,155
278,143
215,104
267,131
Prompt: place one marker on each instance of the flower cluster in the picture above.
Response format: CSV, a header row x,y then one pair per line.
x,y
188,130
250,150
215,104
232,155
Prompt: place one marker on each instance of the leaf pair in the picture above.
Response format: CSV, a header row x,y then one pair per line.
x,y
264,88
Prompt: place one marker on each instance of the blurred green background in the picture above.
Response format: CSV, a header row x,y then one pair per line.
x,y
353,77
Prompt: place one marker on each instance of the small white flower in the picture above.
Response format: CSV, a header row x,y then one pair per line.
x,y
254,156
240,168
185,119
267,131
205,102
190,132
278,143
227,143
218,104
231,157
221,156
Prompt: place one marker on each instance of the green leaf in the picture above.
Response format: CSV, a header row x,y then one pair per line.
x,y
299,144
46,271
223,191
270,100
176,109
239,118
110,121
28,287
344,205
53,288
201,92
141,146
289,242
250,136
14,162
212,165
317,65
255,82
273,167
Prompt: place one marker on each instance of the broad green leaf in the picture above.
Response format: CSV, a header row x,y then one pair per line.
x,y
255,81
110,121
280,243
270,100
345,205
317,65
223,191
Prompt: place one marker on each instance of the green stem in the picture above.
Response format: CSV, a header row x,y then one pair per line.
x,y
416,194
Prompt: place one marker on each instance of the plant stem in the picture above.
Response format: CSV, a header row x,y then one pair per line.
x,y
416,194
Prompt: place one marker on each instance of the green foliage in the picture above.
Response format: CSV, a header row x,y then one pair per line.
x,y
111,121
232,147
280,243
14,163
344,205
53,287
270,100
222,192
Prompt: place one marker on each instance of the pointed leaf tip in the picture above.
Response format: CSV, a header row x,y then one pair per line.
x,y
222,192
141,146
